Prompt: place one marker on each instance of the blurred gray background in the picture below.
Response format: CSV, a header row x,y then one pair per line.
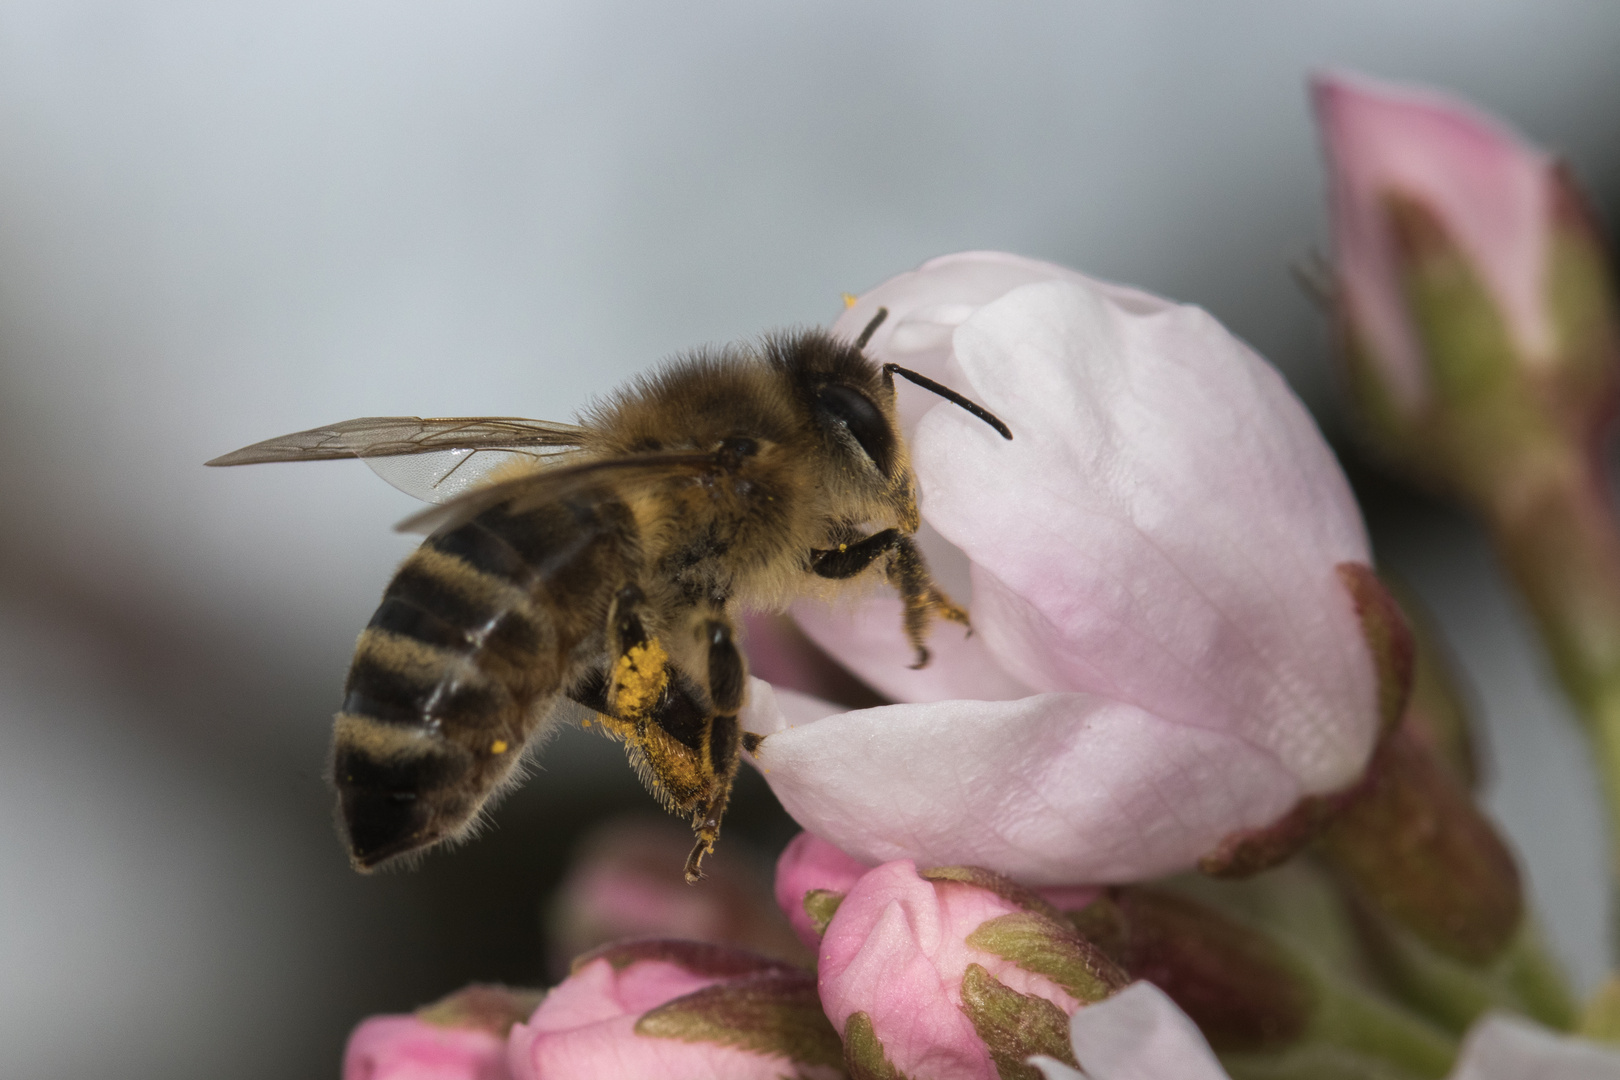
x,y
222,221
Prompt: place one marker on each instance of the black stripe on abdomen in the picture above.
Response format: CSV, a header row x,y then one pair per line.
x,y
393,695
483,550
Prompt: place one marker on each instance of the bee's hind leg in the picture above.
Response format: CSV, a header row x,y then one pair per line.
x,y
722,742
639,671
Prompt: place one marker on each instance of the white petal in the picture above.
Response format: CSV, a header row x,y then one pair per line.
x,y
1052,789
1138,1034
1503,1047
1162,530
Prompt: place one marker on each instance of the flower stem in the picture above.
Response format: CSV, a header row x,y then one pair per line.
x,y
1555,529
1355,1036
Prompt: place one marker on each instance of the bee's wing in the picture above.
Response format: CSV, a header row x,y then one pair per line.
x,y
386,436
548,485
435,460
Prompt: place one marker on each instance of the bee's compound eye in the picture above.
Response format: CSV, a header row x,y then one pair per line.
x,y
864,420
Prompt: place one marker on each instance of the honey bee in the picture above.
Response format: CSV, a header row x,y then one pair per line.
x,y
608,569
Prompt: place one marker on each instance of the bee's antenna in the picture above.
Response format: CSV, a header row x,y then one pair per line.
x,y
871,327
891,370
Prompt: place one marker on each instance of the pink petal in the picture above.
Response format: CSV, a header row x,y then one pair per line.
x,y
866,637
1138,1034
597,992
1054,789
1490,188
612,1050
926,306
586,1028
1163,530
409,1048
809,862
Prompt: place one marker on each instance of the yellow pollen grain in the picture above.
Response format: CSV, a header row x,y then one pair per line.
x,y
849,299
498,746
639,677
584,723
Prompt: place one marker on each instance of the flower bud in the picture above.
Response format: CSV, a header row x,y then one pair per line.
x,y
1475,297
812,878
1417,848
1243,990
626,882
677,1008
462,1037
956,974
1157,562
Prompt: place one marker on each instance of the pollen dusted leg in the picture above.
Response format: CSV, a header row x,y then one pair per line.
x,y
728,681
638,676
906,571
653,708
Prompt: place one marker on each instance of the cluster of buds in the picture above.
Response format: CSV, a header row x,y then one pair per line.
x,y
1023,861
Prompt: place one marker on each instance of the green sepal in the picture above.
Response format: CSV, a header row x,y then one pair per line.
x,y
1522,978
483,1006
769,1014
700,958
1296,922
1417,848
1242,989
990,881
1316,1061
1051,949
1014,1026
1600,1019
820,905
864,1058
1580,297
1471,356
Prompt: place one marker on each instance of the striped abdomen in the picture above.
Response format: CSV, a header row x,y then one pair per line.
x,y
476,635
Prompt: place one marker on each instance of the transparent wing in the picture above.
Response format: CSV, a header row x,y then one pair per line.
x,y
386,436
548,485
435,460
446,475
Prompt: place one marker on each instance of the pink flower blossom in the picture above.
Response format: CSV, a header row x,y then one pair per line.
x,y
943,977
1164,653
670,1008
462,1037
626,882
1492,192
409,1048
810,866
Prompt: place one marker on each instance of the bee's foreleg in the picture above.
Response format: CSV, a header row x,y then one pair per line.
x,y
907,571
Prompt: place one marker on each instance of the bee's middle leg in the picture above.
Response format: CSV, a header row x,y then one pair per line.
x,y
722,741
907,571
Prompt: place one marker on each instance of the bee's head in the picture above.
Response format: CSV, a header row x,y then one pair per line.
x,y
846,399
851,399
